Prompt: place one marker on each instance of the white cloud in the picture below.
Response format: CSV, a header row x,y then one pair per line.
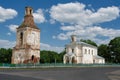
x,y
76,13
6,14
11,44
62,36
54,37
104,15
52,21
39,16
103,31
8,33
12,27
67,28
7,44
67,13
82,21
92,33
51,48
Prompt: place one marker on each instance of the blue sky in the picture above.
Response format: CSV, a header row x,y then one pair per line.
x,y
97,20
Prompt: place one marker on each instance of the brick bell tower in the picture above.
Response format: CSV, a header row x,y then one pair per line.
x,y
27,49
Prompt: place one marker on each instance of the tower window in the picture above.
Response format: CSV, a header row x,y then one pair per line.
x,y
30,11
21,38
85,51
32,57
72,50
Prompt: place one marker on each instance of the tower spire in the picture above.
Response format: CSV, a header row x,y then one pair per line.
x,y
73,38
28,19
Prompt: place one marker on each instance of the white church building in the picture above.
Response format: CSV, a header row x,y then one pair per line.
x,y
80,52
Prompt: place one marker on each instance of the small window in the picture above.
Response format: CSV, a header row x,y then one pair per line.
x,y
92,52
21,38
72,50
30,11
85,51
89,51
21,35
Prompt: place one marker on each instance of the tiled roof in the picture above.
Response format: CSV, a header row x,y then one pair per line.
x,y
80,43
98,57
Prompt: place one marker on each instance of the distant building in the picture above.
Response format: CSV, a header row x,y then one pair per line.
x,y
80,52
27,49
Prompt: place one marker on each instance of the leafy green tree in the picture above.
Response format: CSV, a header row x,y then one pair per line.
x,y
48,56
61,56
103,51
5,55
51,57
114,50
89,42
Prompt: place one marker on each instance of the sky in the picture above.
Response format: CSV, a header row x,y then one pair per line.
x,y
97,20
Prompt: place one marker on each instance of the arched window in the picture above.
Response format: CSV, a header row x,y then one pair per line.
x,y
72,50
92,52
32,57
30,11
85,51
21,38
89,51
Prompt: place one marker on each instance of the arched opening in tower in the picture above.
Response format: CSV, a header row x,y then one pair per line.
x,y
21,38
32,58
30,11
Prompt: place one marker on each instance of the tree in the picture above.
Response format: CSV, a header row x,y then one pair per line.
x,y
114,50
48,56
51,57
61,56
103,51
5,55
89,42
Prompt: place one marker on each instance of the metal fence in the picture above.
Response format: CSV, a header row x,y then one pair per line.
x,y
47,65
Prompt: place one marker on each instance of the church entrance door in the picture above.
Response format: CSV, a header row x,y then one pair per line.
x,y
74,60
32,57
67,59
